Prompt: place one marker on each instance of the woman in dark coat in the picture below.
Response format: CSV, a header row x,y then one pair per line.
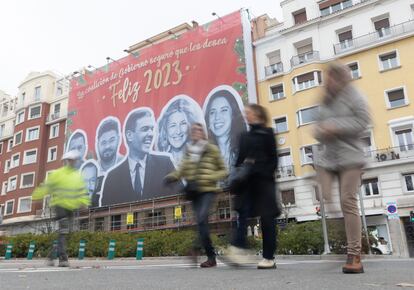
x,y
258,196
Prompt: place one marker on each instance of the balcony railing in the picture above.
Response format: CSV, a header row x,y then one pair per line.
x,y
285,171
55,116
273,69
374,37
304,58
389,154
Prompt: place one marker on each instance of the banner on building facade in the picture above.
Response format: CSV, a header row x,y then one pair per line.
x,y
130,119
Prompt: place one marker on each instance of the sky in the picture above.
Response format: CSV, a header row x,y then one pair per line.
x,y
64,36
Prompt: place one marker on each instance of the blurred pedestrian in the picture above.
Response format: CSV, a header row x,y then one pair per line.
x,y
257,196
67,191
201,167
343,117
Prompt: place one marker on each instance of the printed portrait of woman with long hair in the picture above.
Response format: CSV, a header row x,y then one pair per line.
x,y
224,121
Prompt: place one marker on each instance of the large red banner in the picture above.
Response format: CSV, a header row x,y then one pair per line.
x,y
130,119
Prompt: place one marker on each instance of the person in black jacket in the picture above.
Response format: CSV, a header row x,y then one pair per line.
x,y
258,196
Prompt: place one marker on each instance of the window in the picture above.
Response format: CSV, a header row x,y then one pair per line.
x,y
345,39
288,197
223,209
155,218
116,222
32,134
300,16
25,204
52,154
370,187
405,139
18,138
35,112
354,68
306,116
275,64
27,180
306,154
2,127
37,94
332,6
10,145
382,27
22,98
15,160
12,183
409,181
54,131
4,188
396,98
20,118
99,224
277,92
59,91
307,80
284,167
30,156
56,109
9,207
281,125
7,166
367,145
1,147
388,61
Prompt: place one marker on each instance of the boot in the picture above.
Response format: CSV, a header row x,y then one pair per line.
x,y
211,262
353,265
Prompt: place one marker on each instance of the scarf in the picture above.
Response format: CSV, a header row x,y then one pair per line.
x,y
196,150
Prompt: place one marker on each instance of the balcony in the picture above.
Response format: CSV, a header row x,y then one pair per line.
x,y
375,37
390,154
274,69
55,116
285,171
304,58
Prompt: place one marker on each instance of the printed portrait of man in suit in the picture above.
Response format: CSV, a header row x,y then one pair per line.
x,y
139,176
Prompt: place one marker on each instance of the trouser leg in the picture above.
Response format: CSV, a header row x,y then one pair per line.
x,y
269,236
201,208
240,232
349,182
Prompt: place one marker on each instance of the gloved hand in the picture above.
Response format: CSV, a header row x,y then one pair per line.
x,y
169,179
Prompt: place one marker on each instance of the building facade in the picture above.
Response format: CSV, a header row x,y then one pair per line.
x,y
375,39
33,140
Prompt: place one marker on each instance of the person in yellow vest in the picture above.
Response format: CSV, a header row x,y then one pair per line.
x,y
67,191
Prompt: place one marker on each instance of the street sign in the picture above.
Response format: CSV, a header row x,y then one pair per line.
x,y
177,212
392,210
130,218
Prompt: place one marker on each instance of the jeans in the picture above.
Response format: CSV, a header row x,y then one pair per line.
x,y
201,207
64,220
349,182
268,224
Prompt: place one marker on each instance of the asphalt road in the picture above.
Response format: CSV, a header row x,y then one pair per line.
x,y
178,274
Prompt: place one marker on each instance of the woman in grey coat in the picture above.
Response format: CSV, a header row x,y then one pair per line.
x,y
343,117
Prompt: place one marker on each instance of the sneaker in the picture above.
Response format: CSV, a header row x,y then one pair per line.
x,y
236,256
63,264
353,265
266,264
211,262
50,263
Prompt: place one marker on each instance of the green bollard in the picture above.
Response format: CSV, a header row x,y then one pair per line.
x,y
111,250
82,244
9,249
32,248
54,249
140,249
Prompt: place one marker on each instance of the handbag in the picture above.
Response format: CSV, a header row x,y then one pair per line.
x,y
191,190
239,176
